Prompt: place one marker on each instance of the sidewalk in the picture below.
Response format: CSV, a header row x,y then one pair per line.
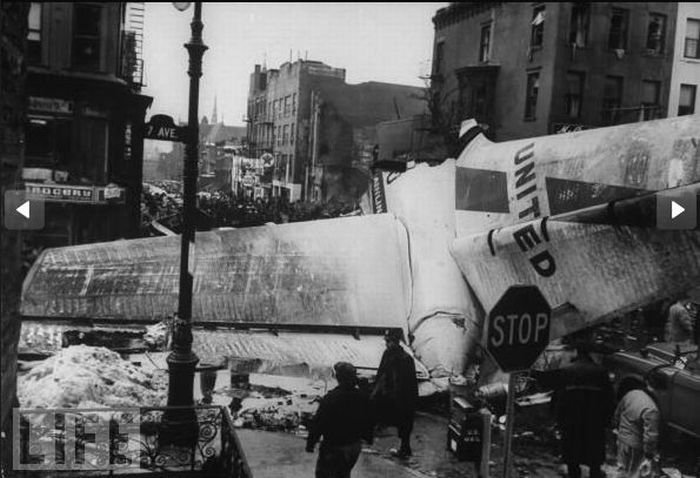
x,y
280,455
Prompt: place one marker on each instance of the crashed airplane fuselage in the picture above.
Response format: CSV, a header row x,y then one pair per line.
x,y
563,212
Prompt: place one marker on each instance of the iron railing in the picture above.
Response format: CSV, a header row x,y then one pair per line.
x,y
156,441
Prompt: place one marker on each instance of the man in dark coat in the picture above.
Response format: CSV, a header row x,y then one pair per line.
x,y
343,418
584,405
395,395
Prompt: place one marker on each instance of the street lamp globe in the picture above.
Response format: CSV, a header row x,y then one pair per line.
x,y
182,6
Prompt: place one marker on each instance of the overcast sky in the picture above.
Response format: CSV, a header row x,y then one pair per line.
x,y
382,42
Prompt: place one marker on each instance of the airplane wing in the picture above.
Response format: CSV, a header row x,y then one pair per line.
x,y
309,293
590,264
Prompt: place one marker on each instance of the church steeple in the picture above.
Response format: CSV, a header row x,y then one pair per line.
x,y
214,119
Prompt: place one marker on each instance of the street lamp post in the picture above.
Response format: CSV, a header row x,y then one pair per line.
x,y
182,360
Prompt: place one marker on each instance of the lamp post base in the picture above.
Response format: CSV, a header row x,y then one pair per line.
x,y
179,425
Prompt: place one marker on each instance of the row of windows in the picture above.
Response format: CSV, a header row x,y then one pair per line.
x,y
280,134
618,32
612,97
618,35
86,44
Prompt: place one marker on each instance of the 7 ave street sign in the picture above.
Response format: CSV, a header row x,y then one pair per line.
x,y
162,127
518,328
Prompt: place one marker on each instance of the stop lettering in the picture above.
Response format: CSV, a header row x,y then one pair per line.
x,y
518,329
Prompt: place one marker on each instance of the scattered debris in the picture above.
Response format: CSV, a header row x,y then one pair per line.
x,y
82,376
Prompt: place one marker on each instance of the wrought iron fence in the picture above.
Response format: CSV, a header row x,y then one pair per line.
x,y
165,441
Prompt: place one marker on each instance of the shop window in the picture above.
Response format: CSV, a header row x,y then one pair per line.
x,y
692,38
48,142
485,43
612,99
580,22
686,101
533,86
619,25
87,25
650,99
574,96
34,33
537,33
656,33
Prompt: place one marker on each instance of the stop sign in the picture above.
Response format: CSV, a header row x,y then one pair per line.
x,y
518,328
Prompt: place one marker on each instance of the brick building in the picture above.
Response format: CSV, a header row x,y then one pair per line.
x,y
685,77
529,69
13,34
84,151
320,130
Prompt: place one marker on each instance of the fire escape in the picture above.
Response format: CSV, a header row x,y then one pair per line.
x,y
131,48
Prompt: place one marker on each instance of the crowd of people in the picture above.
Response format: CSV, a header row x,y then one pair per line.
x,y
220,209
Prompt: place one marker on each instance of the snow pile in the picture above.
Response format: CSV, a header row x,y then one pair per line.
x,y
82,377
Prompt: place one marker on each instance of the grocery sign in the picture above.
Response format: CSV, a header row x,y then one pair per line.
x,y
76,194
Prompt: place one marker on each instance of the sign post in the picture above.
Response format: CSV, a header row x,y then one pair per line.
x,y
517,333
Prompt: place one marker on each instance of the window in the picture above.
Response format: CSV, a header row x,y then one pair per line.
x,y
656,34
286,105
291,133
285,134
48,142
619,24
686,102
485,44
650,99
580,21
537,33
533,86
574,94
87,25
294,104
34,34
692,37
439,54
612,98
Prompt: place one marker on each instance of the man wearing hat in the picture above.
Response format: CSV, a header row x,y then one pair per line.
x,y
584,404
343,418
395,395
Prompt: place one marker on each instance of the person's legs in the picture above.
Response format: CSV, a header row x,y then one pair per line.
x,y
596,471
349,455
404,428
573,470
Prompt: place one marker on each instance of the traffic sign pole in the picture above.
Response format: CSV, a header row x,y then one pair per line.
x,y
510,421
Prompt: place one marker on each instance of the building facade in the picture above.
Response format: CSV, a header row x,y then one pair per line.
x,y
84,144
529,69
685,77
320,130
13,44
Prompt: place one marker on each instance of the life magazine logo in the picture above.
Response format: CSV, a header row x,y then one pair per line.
x,y
69,439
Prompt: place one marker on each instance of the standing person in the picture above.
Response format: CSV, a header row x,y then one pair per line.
x,y
637,422
395,395
583,407
679,325
343,418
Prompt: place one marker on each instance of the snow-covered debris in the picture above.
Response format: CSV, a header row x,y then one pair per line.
x,y
82,376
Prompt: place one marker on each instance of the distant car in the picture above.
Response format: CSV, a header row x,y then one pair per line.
x,y
676,371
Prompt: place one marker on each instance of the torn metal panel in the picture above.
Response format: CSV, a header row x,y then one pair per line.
x,y
295,353
349,272
600,270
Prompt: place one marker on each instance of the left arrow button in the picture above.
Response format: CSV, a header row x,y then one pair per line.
x,y
24,209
